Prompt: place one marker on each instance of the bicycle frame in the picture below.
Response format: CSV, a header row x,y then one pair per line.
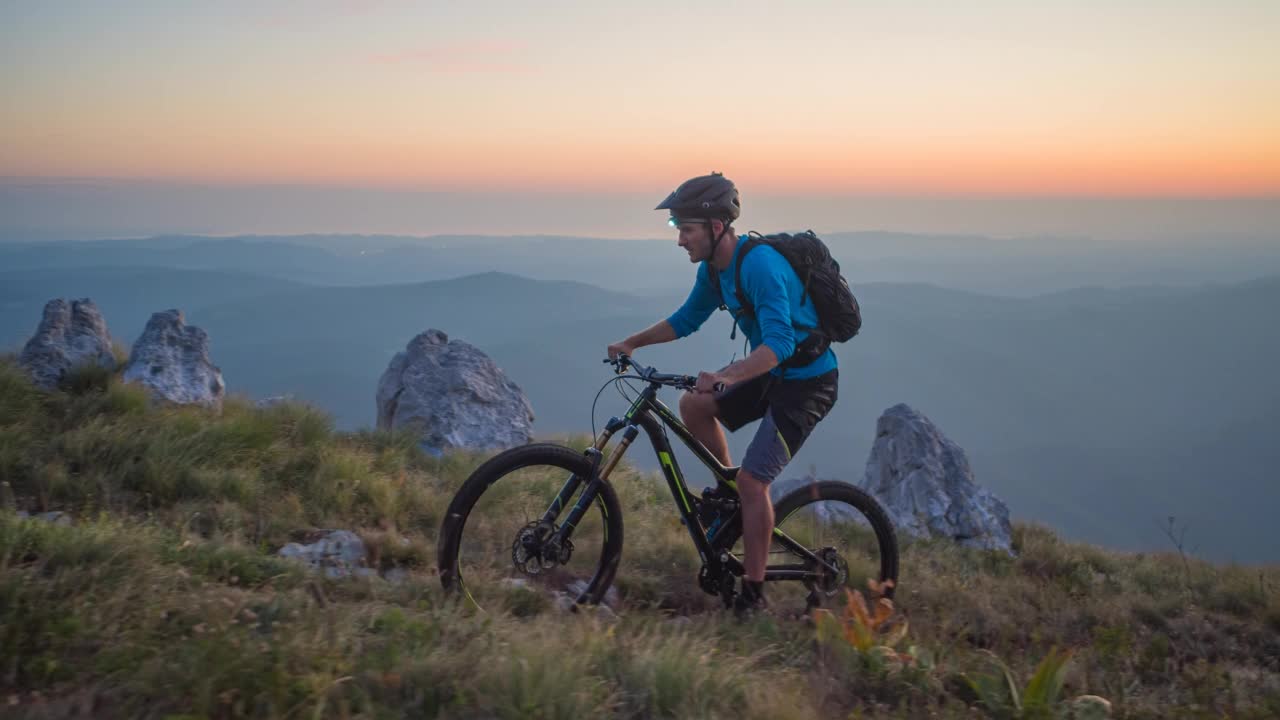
x,y
651,414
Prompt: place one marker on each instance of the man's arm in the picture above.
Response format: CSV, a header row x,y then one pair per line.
x,y
760,361
764,282
659,332
702,301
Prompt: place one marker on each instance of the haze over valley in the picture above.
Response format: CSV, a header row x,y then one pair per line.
x,y
1097,387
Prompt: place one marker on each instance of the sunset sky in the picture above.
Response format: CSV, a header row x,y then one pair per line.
x,y
1048,98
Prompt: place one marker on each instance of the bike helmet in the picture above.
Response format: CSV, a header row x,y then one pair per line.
x,y
704,198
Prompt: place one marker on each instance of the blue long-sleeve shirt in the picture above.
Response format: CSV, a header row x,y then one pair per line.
x,y
774,291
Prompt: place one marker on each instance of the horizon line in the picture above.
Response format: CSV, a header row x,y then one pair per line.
x,y
41,181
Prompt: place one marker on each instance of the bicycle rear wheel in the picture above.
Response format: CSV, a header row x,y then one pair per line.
x,y
491,546
842,525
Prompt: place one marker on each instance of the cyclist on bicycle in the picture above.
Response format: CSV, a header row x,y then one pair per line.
x,y
788,381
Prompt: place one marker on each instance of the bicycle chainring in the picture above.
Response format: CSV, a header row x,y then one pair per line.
x,y
719,581
830,583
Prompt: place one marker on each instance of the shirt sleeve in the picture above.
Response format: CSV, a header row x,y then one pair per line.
x,y
702,301
764,280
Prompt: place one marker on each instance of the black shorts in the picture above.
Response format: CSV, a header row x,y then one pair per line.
x,y
789,410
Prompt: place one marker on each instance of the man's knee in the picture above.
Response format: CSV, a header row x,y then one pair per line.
x,y
697,406
751,488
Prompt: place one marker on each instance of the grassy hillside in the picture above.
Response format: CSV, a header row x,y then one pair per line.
x,y
164,599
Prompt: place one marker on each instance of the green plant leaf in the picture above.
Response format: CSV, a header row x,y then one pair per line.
x,y
1046,683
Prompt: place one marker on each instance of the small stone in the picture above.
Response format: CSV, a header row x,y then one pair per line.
x,y
55,517
564,602
1090,707
611,597
338,553
272,401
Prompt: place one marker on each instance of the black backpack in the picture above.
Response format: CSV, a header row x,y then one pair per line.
x,y
839,318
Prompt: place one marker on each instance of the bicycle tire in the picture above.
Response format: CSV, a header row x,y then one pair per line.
x,y
503,465
867,509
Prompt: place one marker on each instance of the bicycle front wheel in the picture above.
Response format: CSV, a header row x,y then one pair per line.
x,y
494,550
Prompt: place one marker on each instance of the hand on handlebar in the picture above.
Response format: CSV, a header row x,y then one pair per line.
x,y
619,348
621,361
709,382
705,382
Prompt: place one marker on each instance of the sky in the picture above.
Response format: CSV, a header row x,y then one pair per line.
x,y
954,102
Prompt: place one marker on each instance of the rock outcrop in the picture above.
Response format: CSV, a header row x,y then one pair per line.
x,y
452,396
70,335
171,359
924,481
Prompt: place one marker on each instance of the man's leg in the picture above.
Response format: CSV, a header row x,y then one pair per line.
x,y
757,523
794,409
698,411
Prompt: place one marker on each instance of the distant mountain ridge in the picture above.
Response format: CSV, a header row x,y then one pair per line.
x,y
1023,267
1094,410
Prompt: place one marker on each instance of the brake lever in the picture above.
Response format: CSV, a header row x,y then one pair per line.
x,y
619,364
690,382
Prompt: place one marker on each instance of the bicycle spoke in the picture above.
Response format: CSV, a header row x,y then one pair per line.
x,y
506,555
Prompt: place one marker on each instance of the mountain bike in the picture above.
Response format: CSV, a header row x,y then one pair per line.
x,y
523,519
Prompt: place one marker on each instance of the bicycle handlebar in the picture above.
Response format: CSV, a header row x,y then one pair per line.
x,y
681,382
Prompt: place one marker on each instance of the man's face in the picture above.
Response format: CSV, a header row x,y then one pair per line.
x,y
695,238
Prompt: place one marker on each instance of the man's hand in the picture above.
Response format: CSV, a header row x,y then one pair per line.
x,y
707,382
619,348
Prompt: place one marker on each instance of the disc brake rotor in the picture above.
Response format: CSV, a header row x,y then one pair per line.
x,y
528,549
534,549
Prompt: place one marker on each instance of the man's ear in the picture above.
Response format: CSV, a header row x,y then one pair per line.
x,y
717,227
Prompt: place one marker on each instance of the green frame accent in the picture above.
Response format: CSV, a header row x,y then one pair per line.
x,y
651,415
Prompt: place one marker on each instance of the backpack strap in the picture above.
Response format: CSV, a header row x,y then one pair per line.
x,y
807,350
753,241
713,276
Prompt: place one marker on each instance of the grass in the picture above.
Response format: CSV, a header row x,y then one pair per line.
x,y
164,598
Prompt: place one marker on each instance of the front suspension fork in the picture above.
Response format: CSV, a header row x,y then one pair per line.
x,y
600,470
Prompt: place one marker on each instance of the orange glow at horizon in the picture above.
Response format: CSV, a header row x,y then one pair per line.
x,y
1096,168
1054,98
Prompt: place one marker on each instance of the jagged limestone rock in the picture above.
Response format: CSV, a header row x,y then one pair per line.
x,y
452,396
924,481
70,335
171,359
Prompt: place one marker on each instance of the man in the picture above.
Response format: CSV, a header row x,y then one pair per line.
x,y
788,381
